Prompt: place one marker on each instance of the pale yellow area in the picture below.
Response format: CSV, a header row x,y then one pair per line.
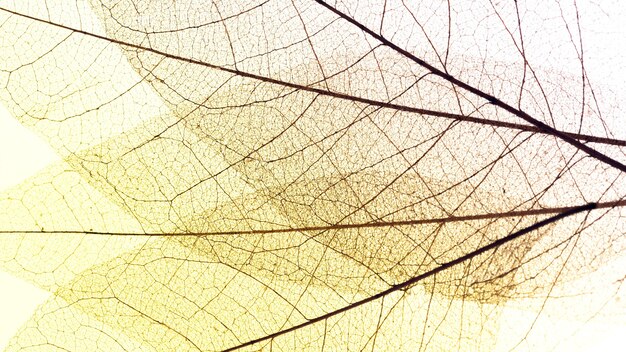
x,y
110,142
22,153
564,323
18,300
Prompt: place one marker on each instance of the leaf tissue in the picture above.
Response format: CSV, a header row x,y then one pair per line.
x,y
306,175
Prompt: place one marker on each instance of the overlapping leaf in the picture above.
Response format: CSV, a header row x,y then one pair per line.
x,y
234,170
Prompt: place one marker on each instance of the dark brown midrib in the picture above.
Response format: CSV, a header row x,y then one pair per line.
x,y
539,127
375,224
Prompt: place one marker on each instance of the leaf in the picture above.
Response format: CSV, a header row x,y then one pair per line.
x,y
308,175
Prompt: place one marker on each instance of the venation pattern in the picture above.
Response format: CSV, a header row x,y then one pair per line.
x,y
290,175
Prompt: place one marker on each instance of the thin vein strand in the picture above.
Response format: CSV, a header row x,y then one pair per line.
x,y
373,224
538,128
490,98
416,279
